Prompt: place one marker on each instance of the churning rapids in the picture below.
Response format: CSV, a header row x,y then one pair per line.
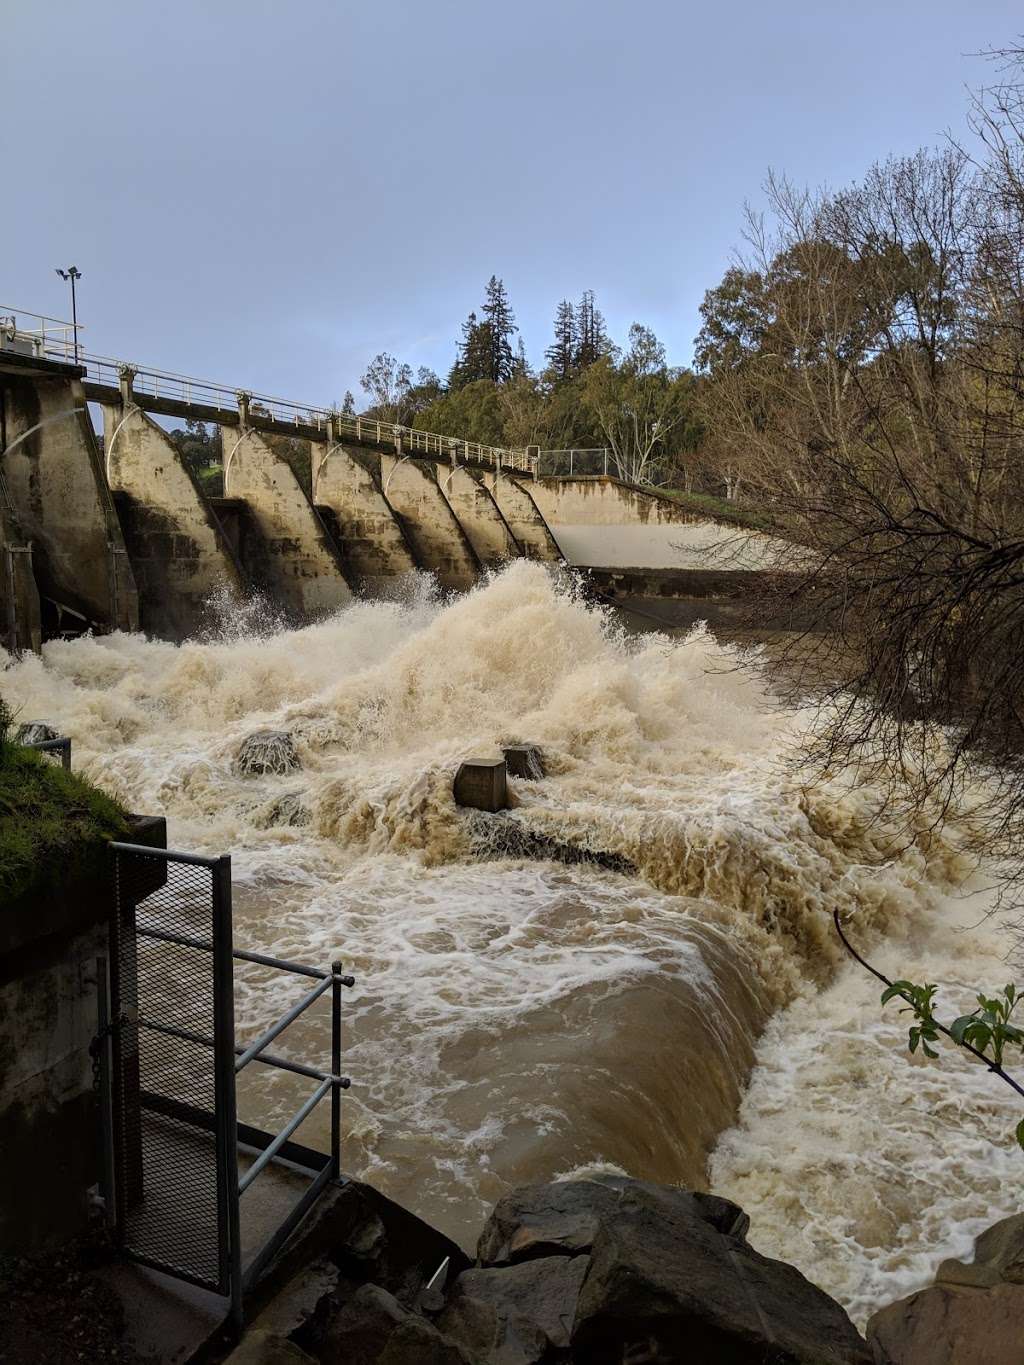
x,y
514,1019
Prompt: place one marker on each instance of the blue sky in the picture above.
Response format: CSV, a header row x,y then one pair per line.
x,y
269,193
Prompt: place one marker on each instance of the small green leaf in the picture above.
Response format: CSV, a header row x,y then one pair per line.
x,y
929,1051
1020,1133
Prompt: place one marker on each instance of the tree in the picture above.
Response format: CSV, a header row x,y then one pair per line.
x,y
561,354
348,407
639,406
199,448
592,341
388,384
473,358
879,414
500,325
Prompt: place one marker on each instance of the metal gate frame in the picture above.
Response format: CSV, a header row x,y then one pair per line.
x,y
120,1021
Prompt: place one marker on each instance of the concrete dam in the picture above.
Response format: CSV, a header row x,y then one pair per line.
x,y
118,534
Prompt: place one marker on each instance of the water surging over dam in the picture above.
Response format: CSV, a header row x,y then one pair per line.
x,y
517,1019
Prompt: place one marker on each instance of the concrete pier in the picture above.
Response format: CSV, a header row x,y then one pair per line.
x,y
59,497
178,548
438,539
370,537
479,515
521,513
297,560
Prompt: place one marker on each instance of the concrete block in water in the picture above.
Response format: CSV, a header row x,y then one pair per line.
x,y
524,760
481,783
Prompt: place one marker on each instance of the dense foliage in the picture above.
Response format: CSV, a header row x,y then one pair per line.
x,y
589,395
863,385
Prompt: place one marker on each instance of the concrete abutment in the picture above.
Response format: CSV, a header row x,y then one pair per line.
x,y
440,543
479,515
179,552
295,558
371,538
59,503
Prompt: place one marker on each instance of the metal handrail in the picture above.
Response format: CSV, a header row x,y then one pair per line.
x,y
107,371
289,1017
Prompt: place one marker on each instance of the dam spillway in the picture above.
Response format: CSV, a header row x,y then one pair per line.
x,y
119,533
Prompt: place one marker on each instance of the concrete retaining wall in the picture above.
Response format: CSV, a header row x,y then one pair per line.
x,y
178,549
479,516
438,540
523,516
62,503
602,522
298,562
371,539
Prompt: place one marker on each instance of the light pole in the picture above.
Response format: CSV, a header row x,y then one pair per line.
x,y
72,273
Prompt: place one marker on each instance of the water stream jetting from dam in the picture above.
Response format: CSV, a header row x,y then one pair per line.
x,y
517,1019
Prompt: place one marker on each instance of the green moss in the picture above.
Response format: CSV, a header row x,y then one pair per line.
x,y
53,825
723,510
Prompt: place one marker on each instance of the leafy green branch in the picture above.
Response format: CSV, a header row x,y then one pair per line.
x,y
985,1033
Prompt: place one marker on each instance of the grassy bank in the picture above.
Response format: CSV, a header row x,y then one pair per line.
x,y
708,505
53,825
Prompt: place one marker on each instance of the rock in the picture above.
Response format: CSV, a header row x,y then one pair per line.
x,y
481,784
524,760
368,1238
998,1257
374,1329
287,809
516,1314
266,752
267,1348
668,1281
972,1315
506,836
35,732
951,1325
563,1218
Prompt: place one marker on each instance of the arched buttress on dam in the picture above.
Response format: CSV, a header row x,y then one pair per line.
x,y
293,555
524,518
373,543
55,492
439,541
479,515
180,553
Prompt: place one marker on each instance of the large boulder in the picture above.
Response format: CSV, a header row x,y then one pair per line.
x,y
374,1329
516,1314
266,752
669,1277
972,1315
563,1218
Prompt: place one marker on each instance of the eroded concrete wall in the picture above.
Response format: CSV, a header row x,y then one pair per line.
x,y
298,563
61,499
439,541
524,518
372,541
178,549
601,522
479,516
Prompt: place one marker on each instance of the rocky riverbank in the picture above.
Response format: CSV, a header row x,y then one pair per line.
x,y
599,1271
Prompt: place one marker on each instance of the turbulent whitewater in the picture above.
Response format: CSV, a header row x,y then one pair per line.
x,y
516,1019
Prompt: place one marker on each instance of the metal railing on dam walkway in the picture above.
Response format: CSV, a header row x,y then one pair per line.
x,y
162,391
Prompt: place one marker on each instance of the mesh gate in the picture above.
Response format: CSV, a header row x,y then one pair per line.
x,y
168,1051
173,1073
